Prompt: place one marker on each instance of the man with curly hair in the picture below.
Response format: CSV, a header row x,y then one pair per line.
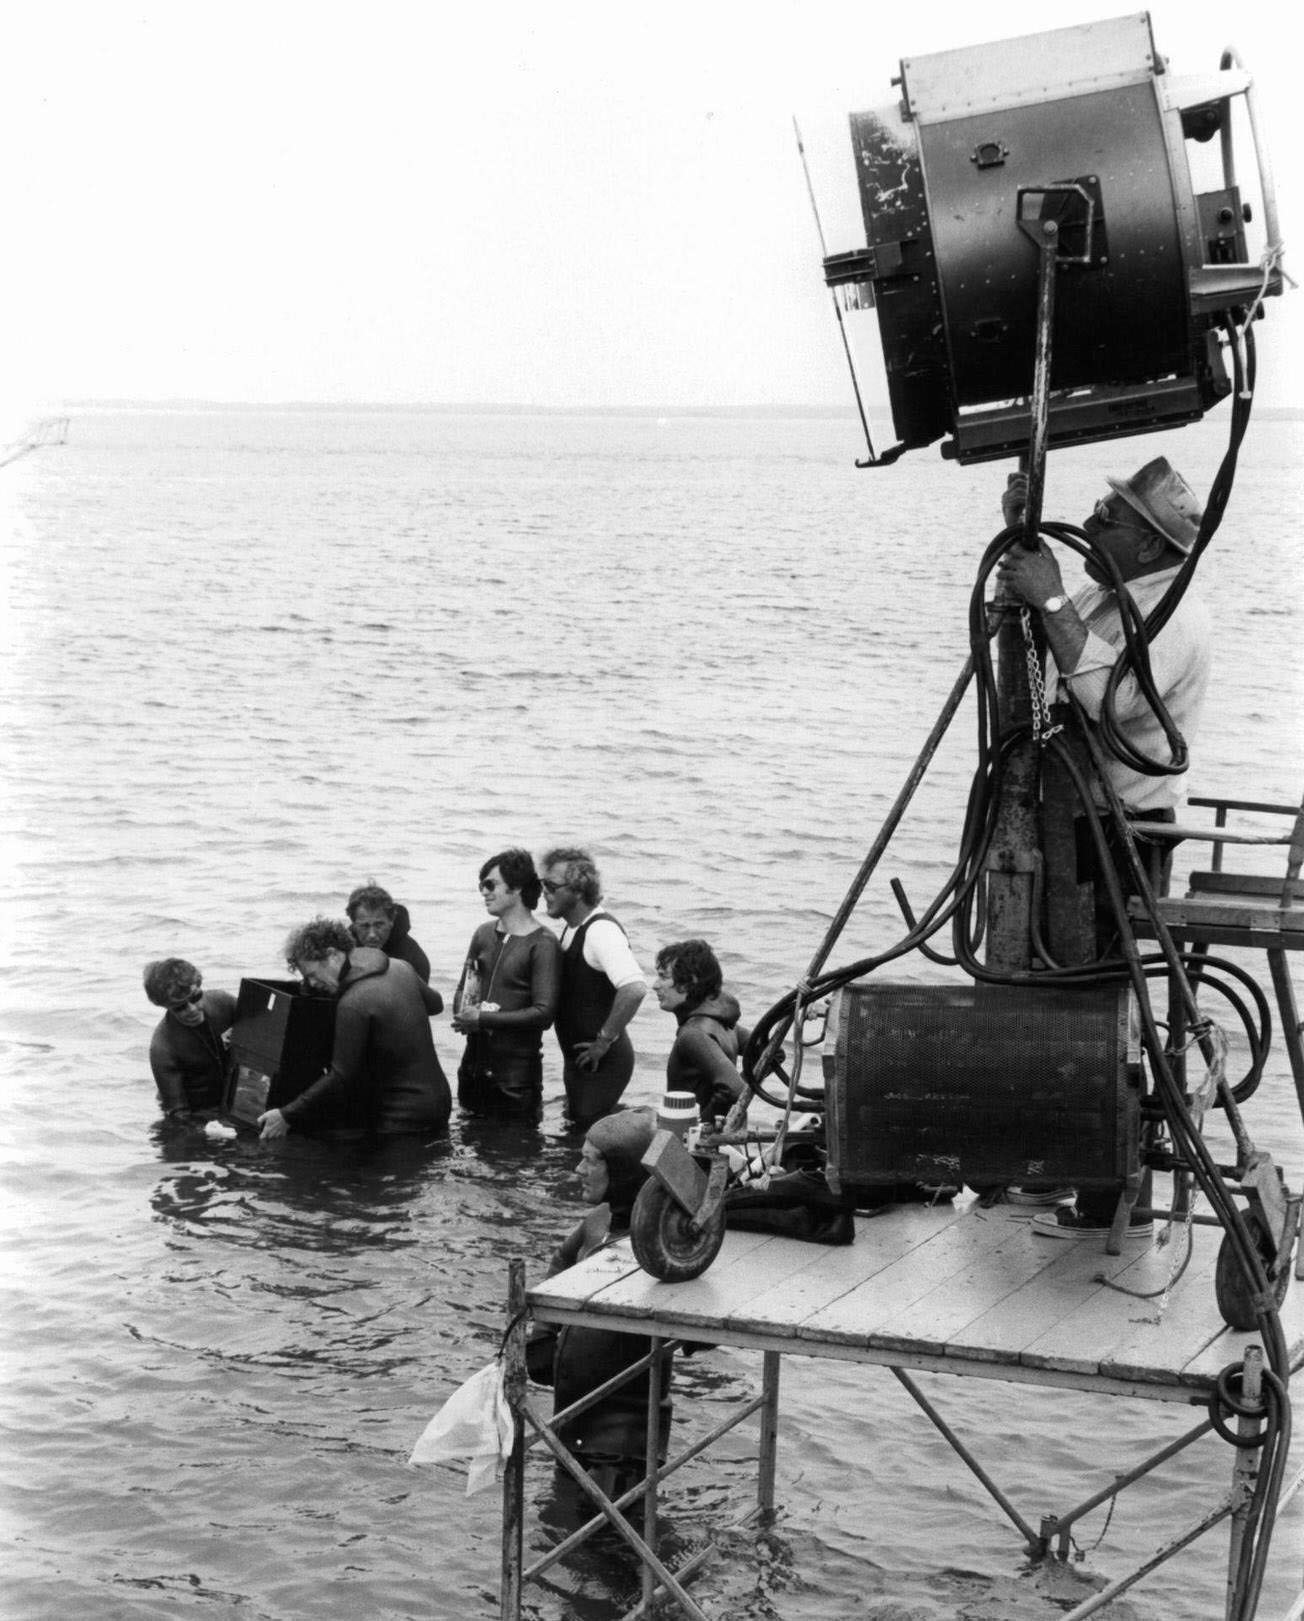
x,y
704,1058
384,1074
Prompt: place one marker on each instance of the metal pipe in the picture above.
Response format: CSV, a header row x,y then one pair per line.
x,y
663,1472
1107,1595
622,1526
651,1458
1245,1472
769,1432
881,841
1030,1536
514,1380
1061,1522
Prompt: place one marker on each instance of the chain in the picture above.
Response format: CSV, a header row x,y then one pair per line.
x,y
1042,730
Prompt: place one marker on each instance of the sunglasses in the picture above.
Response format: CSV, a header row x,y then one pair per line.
x,y
195,996
1107,518
549,888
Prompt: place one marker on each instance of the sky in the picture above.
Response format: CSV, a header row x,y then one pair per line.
x,y
572,205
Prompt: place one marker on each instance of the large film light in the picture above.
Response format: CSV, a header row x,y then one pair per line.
x,y
1087,123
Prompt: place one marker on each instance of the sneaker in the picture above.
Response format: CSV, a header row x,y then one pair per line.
x,y
1066,1222
1038,1196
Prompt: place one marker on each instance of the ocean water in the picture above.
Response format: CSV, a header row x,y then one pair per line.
x,y
256,657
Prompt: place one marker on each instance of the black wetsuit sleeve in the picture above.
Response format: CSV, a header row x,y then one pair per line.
x,y
337,1092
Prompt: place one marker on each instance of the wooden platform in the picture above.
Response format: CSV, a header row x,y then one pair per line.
x,y
955,1289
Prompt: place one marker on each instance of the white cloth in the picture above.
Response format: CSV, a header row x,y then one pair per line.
x,y
1180,658
606,949
476,1423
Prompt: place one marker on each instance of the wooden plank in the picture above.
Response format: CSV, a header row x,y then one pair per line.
x,y
826,1276
704,1302
880,1240
1161,1338
865,1314
1061,1289
1082,1336
592,1274
942,1319
1207,1364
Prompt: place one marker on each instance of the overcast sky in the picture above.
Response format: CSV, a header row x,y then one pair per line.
x,y
565,204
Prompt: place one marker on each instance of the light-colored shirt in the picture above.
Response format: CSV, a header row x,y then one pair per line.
x,y
1180,658
606,949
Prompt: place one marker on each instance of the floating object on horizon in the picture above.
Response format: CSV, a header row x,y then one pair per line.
x,y
49,431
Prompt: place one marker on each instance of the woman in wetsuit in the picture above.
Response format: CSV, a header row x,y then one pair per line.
x,y
507,995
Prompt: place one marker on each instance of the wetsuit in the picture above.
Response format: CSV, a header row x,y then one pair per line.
x,y
502,1067
385,1075
704,1058
191,1062
609,1438
401,944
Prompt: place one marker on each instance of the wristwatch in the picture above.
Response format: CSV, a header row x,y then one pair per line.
x,y
1052,605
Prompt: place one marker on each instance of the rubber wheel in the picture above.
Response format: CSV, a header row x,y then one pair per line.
x,y
666,1242
1231,1287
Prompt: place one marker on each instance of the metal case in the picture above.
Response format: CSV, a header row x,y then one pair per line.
x,y
981,1084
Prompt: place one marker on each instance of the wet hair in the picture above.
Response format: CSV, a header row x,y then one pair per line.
x,y
311,941
516,868
372,896
169,979
582,874
693,967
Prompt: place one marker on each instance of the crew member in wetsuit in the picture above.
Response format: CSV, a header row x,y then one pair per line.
x,y
377,919
704,1058
507,995
188,1052
601,987
384,1074
609,1438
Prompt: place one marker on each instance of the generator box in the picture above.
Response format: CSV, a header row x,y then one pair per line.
x,y
281,1040
984,1084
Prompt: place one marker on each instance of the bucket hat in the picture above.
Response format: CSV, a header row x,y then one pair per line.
x,y
1165,500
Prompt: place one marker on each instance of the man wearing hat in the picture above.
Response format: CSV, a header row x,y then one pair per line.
x,y
1146,526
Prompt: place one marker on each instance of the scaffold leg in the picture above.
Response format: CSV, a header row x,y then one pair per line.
x,y
514,1473
1245,1471
769,1432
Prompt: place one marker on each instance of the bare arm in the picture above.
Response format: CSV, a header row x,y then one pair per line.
x,y
589,1054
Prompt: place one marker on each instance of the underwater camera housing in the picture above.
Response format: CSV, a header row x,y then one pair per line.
x,y
1085,125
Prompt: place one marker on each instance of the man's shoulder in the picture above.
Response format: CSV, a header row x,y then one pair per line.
x,y
603,923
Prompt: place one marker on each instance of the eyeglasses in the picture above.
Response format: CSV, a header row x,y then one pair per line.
x,y
549,888
1107,518
486,886
190,1000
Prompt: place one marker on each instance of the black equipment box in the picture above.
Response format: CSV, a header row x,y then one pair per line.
x,y
984,1084
282,1040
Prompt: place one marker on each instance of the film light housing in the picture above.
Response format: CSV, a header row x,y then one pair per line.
x,y
1086,125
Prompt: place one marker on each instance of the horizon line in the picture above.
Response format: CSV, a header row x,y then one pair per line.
x,y
504,408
